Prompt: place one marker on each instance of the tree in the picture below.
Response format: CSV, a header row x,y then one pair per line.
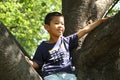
x,y
96,59
98,56
12,62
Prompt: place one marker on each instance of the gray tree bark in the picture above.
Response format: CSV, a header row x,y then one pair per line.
x,y
13,65
97,58
78,12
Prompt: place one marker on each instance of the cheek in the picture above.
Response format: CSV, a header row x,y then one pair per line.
x,y
63,29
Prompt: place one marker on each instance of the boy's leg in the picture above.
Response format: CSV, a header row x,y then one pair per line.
x,y
61,76
67,76
53,77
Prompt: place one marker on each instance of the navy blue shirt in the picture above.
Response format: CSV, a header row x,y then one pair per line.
x,y
58,60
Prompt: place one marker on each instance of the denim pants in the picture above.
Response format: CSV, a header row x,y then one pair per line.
x,y
61,76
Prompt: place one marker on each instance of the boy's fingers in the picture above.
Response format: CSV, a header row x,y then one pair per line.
x,y
26,58
104,19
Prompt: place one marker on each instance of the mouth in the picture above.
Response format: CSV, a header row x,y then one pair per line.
x,y
60,30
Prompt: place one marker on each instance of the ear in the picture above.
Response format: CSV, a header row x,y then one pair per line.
x,y
46,26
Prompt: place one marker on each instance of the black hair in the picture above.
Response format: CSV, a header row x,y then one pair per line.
x,y
49,17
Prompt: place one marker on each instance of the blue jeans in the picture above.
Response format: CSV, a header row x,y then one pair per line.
x,y
61,76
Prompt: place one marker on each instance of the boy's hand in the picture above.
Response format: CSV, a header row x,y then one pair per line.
x,y
104,19
32,63
27,59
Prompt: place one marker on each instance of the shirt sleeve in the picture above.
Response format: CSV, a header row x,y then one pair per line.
x,y
38,57
73,41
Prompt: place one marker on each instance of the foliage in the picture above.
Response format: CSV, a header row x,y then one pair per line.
x,y
115,9
24,18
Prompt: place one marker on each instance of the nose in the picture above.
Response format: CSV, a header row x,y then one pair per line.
x,y
61,25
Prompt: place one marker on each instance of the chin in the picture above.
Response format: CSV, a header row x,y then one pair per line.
x,y
59,35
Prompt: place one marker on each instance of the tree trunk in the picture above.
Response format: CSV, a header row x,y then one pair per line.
x,y
78,12
12,62
98,57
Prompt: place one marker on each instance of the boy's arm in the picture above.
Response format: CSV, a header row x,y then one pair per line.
x,y
90,27
32,63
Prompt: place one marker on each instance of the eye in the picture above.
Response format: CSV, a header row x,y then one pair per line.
x,y
62,23
56,23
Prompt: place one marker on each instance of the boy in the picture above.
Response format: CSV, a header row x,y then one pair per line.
x,y
53,56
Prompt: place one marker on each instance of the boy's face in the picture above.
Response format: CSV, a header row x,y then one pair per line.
x,y
56,27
